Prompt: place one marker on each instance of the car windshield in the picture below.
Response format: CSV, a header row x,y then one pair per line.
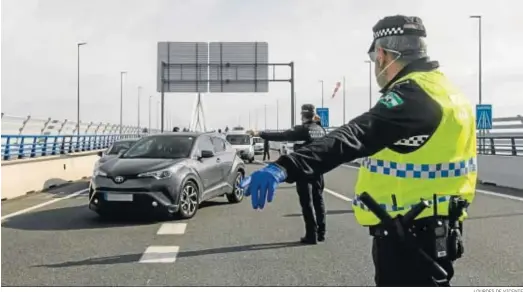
x,y
119,146
258,140
166,147
239,139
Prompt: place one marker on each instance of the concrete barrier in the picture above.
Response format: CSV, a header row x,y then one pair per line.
x,y
20,177
505,171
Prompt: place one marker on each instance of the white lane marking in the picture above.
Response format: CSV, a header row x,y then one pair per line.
x,y
328,191
172,228
23,211
337,195
491,193
500,195
160,254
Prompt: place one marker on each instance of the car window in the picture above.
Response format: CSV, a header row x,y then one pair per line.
x,y
119,146
239,139
258,140
205,143
167,147
219,144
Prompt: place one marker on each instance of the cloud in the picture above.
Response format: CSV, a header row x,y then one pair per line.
x,y
326,39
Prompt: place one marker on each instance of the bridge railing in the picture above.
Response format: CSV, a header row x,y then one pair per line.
x,y
33,146
29,125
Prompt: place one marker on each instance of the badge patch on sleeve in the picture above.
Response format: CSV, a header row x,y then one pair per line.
x,y
391,100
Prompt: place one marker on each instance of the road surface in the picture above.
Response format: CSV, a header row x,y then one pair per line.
x,y
65,244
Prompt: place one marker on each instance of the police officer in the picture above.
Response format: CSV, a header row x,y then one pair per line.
x,y
419,142
310,190
266,150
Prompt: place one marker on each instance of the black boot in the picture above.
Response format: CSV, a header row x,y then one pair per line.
x,y
321,233
309,239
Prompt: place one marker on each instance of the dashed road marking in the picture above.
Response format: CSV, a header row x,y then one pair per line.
x,y
172,228
23,211
160,254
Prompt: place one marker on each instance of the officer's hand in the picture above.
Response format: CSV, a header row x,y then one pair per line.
x,y
262,183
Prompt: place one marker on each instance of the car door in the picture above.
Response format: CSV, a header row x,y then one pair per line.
x,y
208,168
219,150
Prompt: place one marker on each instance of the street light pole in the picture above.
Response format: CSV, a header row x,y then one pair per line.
x,y
139,91
78,94
478,17
150,100
480,99
370,83
321,81
122,73
265,117
277,115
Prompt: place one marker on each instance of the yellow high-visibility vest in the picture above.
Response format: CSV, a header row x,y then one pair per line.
x,y
446,165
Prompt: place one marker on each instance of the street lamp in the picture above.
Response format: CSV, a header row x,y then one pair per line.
x,y
370,83
122,73
78,94
139,91
277,115
478,17
265,118
321,81
150,100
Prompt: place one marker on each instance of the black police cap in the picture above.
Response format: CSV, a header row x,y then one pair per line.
x,y
307,108
397,25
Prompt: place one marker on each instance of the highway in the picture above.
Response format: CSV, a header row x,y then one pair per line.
x,y
65,244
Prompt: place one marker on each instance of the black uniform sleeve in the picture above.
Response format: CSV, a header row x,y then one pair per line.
x,y
405,111
297,133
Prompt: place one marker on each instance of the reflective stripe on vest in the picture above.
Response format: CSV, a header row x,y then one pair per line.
x,y
425,171
392,208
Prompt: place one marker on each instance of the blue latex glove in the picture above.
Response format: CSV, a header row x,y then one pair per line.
x,y
262,183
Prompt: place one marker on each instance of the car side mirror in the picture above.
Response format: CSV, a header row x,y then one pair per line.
x,y
206,154
100,153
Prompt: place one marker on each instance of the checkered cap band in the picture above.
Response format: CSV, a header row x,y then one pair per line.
x,y
388,32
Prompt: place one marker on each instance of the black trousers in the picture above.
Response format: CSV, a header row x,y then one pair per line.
x,y
312,204
395,265
266,152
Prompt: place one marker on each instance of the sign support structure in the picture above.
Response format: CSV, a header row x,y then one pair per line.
x,y
483,123
216,67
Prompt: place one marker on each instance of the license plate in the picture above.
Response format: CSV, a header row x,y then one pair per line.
x,y
119,197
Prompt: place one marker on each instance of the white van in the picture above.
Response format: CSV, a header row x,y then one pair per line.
x,y
258,145
243,143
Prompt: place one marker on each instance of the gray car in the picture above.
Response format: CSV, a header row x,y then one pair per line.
x,y
170,173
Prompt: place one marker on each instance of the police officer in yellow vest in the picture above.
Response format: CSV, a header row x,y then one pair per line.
x,y
418,142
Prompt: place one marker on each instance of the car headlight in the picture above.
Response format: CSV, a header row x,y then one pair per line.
x,y
162,173
98,172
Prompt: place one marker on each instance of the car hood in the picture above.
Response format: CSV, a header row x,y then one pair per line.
x,y
106,158
241,147
134,166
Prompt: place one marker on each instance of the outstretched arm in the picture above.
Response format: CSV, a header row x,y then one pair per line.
x,y
404,112
295,134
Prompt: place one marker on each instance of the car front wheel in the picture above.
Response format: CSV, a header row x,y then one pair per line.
x,y
188,200
237,193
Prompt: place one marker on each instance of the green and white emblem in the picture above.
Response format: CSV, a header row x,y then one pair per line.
x,y
391,100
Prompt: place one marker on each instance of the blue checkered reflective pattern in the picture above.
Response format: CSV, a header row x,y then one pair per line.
x,y
422,171
393,208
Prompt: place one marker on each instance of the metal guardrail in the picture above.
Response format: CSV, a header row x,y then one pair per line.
x,y
28,125
34,146
505,138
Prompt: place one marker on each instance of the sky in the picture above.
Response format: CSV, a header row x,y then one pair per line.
x,y
328,40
